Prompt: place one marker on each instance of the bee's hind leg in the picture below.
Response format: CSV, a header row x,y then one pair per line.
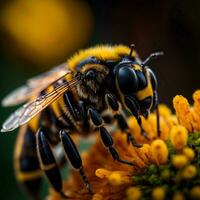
x,y
47,161
124,127
74,156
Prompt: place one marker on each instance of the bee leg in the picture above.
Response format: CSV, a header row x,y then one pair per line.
x,y
108,142
124,127
156,102
143,133
48,162
133,106
74,156
113,104
26,164
105,136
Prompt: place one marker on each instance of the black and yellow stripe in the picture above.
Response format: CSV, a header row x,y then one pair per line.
x,y
26,164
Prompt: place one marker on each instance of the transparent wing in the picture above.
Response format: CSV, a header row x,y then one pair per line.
x,y
35,85
49,76
31,109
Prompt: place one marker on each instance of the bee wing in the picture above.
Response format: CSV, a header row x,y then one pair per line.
x,y
18,96
31,109
49,76
35,85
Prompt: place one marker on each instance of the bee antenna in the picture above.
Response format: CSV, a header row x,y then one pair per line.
x,y
132,46
151,56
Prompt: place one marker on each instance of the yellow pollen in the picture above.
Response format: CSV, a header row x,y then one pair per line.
x,y
102,173
179,161
195,192
118,178
189,172
178,196
159,151
178,137
158,193
189,153
97,197
133,193
115,179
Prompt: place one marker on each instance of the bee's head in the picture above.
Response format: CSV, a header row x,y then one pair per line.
x,y
131,76
136,83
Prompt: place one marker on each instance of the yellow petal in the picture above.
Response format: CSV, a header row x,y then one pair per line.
x,y
183,113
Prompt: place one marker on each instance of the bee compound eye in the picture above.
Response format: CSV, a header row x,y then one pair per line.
x,y
127,80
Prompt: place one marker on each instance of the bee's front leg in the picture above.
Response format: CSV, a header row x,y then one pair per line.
x,y
113,104
47,161
134,108
105,136
124,127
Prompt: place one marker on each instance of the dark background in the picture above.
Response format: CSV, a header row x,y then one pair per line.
x,y
171,26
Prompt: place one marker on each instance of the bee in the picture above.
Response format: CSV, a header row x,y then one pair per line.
x,y
74,98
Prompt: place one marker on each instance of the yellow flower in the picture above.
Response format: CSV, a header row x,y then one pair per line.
x,y
178,137
179,161
161,164
158,193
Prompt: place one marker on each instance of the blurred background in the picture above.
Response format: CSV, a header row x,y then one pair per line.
x,y
38,34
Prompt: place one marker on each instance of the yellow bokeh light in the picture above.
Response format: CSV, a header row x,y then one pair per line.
x,y
47,30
